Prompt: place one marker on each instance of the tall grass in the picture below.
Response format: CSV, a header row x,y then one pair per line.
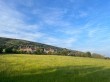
x,y
50,68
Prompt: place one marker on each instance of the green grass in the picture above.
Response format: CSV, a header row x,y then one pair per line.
x,y
50,68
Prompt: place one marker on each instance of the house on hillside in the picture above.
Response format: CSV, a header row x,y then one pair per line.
x,y
28,49
32,49
49,50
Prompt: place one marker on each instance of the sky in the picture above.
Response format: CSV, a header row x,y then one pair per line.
x,y
74,24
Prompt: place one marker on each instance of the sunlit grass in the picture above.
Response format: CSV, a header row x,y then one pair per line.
x,y
50,68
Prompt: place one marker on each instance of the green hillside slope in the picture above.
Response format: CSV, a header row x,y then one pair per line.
x,y
17,46
9,42
9,45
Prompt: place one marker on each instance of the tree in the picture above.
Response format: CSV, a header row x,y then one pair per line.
x,y
14,50
39,51
8,50
88,54
95,55
1,50
64,52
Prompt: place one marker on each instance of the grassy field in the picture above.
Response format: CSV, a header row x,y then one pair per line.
x,y
49,68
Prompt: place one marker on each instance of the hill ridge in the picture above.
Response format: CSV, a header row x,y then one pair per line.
x,y
19,46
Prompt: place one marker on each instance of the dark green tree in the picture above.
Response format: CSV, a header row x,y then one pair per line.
x,y
1,50
39,51
88,54
8,50
95,55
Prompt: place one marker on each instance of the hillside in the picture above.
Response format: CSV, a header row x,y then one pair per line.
x,y
9,42
23,46
17,46
51,68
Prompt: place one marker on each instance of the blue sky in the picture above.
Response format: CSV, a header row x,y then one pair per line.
x,y
75,24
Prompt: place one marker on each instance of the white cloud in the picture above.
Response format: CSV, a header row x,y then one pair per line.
x,y
92,32
13,26
67,42
54,16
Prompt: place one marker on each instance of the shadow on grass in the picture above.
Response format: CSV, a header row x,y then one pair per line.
x,y
60,74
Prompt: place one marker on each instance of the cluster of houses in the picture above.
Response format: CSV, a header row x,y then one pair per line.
x,y
33,49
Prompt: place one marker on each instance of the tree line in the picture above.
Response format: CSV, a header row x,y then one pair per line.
x,y
64,52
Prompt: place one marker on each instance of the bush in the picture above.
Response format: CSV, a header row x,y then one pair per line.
x,y
88,54
8,50
1,50
95,55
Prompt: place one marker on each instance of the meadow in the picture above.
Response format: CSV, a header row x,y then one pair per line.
x,y
53,68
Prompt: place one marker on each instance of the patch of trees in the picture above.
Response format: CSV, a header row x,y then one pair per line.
x,y
39,51
107,58
80,54
9,50
1,50
95,55
65,52
62,52
87,54
8,45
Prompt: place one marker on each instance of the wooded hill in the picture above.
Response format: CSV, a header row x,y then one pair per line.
x,y
9,45
16,43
